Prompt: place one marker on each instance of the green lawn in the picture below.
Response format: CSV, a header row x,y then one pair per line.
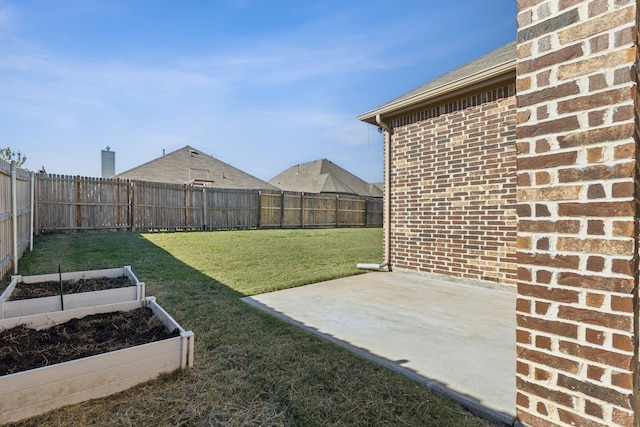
x,y
251,369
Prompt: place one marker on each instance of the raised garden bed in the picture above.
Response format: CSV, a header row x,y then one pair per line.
x,y
27,295
36,391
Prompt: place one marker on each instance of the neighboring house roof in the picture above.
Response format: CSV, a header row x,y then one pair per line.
x,y
191,166
487,70
323,176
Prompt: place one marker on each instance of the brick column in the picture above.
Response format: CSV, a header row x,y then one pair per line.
x,y
577,247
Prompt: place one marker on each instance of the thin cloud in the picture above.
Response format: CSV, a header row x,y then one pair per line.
x,y
318,49
31,76
275,63
339,129
7,16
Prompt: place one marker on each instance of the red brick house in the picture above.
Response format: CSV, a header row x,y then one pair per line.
x,y
450,173
553,207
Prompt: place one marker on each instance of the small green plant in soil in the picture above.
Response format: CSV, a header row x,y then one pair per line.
x,y
250,368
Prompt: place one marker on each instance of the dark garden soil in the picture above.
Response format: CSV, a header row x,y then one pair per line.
x,y
47,289
22,348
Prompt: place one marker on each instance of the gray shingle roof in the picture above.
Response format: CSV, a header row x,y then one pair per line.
x,y
323,176
188,164
501,60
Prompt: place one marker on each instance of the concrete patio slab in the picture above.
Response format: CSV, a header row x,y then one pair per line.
x,y
456,338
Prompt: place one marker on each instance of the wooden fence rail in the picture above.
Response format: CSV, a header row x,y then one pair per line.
x,y
66,203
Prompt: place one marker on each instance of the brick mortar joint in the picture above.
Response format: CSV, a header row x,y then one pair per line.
x,y
582,81
520,62
552,403
582,9
581,362
553,137
606,406
555,67
578,254
578,323
605,379
581,116
556,149
582,329
551,111
606,273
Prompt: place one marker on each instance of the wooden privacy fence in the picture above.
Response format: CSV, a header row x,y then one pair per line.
x,y
285,209
66,203
16,215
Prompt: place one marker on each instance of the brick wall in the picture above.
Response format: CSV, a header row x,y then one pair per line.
x,y
577,250
453,198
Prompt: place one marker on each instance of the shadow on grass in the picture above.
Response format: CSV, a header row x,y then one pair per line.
x,y
250,368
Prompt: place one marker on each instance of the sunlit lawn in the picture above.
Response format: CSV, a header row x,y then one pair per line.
x,y
251,369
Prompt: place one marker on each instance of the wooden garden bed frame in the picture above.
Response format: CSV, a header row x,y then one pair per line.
x,y
34,392
71,301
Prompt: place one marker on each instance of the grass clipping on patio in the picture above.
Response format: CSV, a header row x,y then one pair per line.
x,y
250,369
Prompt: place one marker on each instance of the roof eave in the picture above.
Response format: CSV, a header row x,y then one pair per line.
x,y
478,79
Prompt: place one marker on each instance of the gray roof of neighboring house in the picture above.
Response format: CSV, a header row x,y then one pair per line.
x,y
323,176
191,165
490,68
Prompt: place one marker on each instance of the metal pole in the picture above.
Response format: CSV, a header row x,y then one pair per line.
x,y
61,287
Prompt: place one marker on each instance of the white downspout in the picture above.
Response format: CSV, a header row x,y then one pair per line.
x,y
387,191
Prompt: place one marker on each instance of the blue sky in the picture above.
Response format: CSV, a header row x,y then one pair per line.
x,y
260,84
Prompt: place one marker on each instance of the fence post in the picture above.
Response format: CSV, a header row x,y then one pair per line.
x,y
282,209
337,210
301,210
259,208
33,208
132,215
14,218
366,212
36,203
118,218
204,208
186,192
78,203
